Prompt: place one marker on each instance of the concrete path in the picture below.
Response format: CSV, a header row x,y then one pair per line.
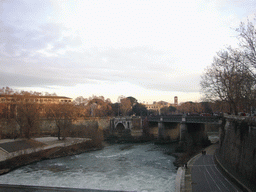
x,y
13,146
202,174
207,177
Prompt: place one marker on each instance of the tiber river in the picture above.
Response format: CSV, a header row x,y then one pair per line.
x,y
127,167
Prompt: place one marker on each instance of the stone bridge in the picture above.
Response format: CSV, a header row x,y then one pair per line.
x,y
187,125
126,125
194,125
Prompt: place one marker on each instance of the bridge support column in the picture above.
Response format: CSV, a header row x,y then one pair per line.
x,y
183,131
161,130
112,126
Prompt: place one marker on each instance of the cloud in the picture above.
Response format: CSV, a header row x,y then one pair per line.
x,y
26,28
49,38
148,68
19,80
155,46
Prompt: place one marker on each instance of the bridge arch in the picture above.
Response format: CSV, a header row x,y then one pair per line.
x,y
120,127
131,125
127,124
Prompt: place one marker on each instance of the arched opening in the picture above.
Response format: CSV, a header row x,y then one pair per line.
x,y
120,128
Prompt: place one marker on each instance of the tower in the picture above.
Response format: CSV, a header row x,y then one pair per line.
x,y
176,100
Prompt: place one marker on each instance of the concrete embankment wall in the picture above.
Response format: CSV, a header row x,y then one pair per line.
x,y
180,180
28,156
237,151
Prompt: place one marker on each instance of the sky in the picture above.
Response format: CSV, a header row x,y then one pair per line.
x,y
149,49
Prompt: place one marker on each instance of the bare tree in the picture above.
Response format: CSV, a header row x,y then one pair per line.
x,y
80,106
81,101
99,107
125,106
63,114
190,107
247,41
22,107
6,91
27,114
229,79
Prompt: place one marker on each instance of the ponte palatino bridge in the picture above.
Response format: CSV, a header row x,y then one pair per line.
x,y
185,119
186,123
182,122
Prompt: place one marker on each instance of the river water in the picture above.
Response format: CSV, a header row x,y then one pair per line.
x,y
128,167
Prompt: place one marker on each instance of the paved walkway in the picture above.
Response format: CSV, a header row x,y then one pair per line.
x,y
202,174
13,146
207,177
10,148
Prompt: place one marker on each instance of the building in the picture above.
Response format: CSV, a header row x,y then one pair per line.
x,y
15,99
175,101
9,103
157,106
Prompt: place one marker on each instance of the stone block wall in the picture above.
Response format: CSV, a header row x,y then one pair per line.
x,y
154,131
10,128
47,127
237,149
172,130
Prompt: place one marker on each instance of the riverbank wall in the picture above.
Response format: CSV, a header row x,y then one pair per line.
x,y
9,128
237,148
236,151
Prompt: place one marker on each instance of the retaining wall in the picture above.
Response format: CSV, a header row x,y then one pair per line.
x,y
237,150
10,128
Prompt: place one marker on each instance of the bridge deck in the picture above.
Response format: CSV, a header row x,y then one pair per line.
x,y
186,119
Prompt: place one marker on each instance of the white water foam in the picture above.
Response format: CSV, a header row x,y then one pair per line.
x,y
137,169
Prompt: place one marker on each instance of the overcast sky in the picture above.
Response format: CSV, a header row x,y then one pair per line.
x,y
149,49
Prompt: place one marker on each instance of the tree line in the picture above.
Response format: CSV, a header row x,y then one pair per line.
x,y
230,80
23,108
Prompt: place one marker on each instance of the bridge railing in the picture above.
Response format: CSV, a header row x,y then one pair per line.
x,y
203,119
185,119
174,118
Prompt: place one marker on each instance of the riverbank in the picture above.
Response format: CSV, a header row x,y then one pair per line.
x,y
20,152
183,157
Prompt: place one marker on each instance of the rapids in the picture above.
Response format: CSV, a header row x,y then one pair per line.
x,y
128,167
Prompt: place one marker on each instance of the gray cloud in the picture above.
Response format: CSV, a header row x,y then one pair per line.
x,y
139,66
15,41
19,80
29,56
25,29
